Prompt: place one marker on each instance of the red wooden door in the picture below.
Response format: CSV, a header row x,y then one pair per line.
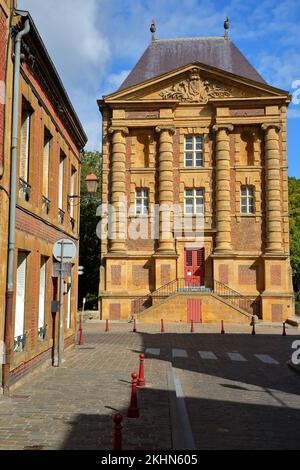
x,y
194,310
194,267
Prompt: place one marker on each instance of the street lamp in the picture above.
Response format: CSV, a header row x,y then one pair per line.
x,y
91,186
91,183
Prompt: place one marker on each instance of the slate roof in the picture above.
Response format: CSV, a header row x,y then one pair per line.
x,y
165,55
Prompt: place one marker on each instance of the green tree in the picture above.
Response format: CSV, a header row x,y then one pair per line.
x,y
294,213
89,246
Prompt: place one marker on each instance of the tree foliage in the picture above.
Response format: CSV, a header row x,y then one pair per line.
x,y
89,246
294,213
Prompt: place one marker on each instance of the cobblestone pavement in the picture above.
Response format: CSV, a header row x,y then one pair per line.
x,y
233,400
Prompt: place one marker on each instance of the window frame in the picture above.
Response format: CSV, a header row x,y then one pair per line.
x,y
143,197
247,200
195,153
194,197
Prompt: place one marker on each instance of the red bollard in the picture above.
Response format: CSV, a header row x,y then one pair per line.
x,y
133,411
134,326
117,418
80,333
162,329
283,329
222,327
192,326
141,380
107,327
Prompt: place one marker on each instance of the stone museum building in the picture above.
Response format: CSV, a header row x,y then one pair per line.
x,y
195,125
47,146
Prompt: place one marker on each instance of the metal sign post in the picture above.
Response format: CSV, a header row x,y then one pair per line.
x,y
61,307
64,251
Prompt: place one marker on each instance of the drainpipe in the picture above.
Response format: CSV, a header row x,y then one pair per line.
x,y
12,209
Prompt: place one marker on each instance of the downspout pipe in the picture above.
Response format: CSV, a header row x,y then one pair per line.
x,y
12,208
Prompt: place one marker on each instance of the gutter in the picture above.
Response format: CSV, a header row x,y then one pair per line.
x,y
12,208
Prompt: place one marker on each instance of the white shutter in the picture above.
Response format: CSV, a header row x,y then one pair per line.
x,y
41,320
69,302
46,157
72,189
61,183
20,294
24,145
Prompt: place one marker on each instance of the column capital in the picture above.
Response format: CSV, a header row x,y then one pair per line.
x,y
270,125
225,127
113,129
170,129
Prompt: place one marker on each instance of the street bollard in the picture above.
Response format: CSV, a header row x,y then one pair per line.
x,y
133,411
253,326
134,326
162,329
192,326
283,329
141,380
80,332
107,327
222,327
117,418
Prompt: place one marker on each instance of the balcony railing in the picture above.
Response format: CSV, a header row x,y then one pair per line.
x,y
42,331
24,190
72,223
46,204
19,343
61,216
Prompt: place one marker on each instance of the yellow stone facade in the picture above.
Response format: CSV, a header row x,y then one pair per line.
x,y
244,135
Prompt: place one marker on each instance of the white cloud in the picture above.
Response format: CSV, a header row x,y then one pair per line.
x,y
70,31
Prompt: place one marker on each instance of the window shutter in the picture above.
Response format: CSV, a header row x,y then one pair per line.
x,y
41,321
72,190
46,158
20,294
24,145
69,303
61,184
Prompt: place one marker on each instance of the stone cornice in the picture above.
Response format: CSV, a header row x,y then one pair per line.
x,y
271,125
124,130
162,128
226,127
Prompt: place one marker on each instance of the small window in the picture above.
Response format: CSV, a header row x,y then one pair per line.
x,y
247,200
141,201
25,141
193,151
194,201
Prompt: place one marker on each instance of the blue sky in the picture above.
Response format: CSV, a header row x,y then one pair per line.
x,y
95,43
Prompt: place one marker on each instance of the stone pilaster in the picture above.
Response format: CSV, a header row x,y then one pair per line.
x,y
165,188
118,189
223,209
273,196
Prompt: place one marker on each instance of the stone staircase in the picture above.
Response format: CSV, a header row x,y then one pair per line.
x,y
218,301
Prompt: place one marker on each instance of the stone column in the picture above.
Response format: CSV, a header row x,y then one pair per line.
x,y
118,189
273,196
223,209
165,188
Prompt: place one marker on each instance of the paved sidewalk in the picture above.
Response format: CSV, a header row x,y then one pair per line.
x,y
71,407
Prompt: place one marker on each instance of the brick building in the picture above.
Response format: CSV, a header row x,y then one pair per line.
x,y
50,141
195,125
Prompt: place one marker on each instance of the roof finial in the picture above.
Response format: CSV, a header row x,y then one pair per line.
x,y
152,30
226,27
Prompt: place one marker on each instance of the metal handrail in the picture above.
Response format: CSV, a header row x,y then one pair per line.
x,y
192,285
